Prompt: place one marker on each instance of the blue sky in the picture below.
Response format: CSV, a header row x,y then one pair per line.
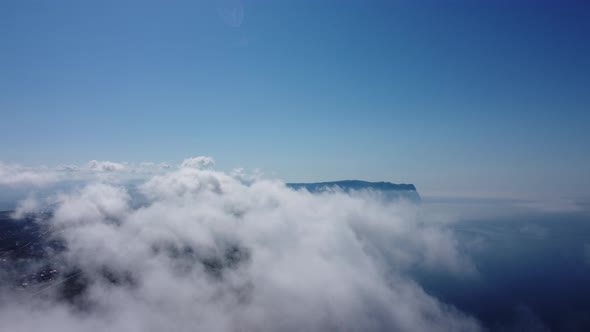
x,y
454,96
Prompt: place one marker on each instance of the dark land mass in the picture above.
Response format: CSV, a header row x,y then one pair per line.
x,y
390,190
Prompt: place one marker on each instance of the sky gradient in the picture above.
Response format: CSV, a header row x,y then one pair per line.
x,y
453,96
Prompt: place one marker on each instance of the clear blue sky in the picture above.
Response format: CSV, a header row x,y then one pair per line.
x,y
465,96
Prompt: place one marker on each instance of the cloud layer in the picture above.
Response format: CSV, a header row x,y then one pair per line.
x,y
17,175
203,250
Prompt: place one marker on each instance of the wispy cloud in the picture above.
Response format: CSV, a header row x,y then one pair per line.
x,y
17,175
105,166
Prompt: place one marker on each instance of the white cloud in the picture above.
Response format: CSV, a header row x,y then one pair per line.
x,y
19,177
198,162
245,177
27,206
279,260
105,166
16,175
95,201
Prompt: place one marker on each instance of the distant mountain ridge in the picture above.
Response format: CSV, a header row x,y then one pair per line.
x,y
392,190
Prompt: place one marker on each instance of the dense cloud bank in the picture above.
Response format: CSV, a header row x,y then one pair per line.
x,y
196,249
